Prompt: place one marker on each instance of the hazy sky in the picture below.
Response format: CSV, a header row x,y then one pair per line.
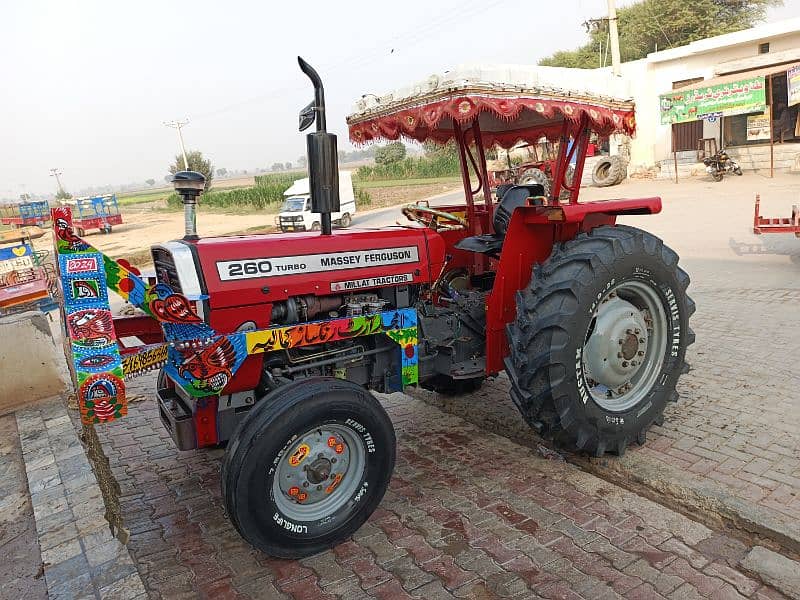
x,y
87,84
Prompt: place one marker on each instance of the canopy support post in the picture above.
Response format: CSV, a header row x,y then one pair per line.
x,y
469,196
484,172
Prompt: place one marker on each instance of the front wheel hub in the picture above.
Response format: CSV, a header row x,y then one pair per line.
x,y
319,473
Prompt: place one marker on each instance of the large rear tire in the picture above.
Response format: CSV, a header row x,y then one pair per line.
x,y
308,466
600,339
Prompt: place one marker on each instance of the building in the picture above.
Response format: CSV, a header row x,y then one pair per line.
x,y
762,53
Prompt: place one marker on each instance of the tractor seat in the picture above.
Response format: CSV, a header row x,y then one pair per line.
x,y
492,243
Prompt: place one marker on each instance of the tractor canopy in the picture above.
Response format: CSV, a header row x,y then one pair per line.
x,y
511,104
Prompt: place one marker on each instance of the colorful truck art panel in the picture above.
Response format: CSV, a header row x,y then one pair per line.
x,y
196,357
95,360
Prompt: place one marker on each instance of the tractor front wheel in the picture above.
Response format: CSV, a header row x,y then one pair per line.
x,y
308,466
600,339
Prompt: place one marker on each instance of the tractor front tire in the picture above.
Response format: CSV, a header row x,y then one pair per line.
x,y
600,339
308,466
534,176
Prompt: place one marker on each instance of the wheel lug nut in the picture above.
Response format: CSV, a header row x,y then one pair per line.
x,y
637,331
640,353
333,460
641,340
305,484
621,342
624,363
629,331
319,487
633,363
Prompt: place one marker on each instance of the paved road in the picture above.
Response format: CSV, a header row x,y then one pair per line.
x,y
469,514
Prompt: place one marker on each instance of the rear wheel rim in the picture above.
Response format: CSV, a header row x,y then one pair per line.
x,y
320,473
625,346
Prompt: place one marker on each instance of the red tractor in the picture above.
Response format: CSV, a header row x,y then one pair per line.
x,y
539,168
276,342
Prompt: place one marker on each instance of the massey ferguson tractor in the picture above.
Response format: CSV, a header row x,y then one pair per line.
x,y
274,344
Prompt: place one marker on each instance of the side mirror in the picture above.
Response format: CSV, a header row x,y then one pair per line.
x,y
307,116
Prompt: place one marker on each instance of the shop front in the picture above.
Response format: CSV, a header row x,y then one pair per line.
x,y
751,113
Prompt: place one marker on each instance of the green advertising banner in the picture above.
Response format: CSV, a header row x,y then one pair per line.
x,y
726,99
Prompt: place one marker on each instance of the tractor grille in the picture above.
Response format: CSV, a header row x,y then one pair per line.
x,y
165,268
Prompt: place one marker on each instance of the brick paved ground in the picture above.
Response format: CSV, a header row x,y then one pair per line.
x,y
20,575
79,556
469,514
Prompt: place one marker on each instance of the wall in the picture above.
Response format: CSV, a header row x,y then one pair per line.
x,y
32,367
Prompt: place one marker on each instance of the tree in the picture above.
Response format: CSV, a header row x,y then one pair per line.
x,y
221,172
277,166
196,163
390,153
62,194
288,166
302,161
168,178
652,25
150,182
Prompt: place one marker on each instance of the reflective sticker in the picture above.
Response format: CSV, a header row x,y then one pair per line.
x,y
299,455
336,480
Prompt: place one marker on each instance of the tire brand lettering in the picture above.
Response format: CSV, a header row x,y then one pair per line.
x,y
366,435
355,425
675,315
615,420
288,525
600,295
361,492
584,394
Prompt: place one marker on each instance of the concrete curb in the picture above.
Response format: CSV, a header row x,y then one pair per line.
x,y
702,499
81,558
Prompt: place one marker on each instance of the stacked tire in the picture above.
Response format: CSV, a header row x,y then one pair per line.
x,y
609,170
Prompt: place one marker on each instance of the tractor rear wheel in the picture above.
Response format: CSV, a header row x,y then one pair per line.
x,y
308,466
533,176
600,338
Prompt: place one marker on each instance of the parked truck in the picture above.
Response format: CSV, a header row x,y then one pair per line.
x,y
297,213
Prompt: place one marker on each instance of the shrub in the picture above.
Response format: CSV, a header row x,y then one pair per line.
x,y
268,190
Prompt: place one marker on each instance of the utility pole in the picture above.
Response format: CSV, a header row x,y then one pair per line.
x,y
177,125
55,173
614,35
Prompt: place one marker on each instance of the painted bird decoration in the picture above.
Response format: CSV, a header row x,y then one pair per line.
x,y
211,368
171,307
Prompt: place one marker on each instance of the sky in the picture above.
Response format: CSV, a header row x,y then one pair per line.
x,y
89,83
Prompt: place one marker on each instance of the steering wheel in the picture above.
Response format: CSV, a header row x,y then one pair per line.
x,y
438,220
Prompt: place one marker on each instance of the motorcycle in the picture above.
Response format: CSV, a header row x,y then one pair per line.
x,y
719,164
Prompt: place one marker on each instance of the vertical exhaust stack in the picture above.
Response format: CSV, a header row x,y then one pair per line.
x,y
323,161
189,185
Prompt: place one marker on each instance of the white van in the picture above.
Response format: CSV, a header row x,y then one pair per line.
x,y
296,212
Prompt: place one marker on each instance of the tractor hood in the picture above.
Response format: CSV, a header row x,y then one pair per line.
x,y
254,269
